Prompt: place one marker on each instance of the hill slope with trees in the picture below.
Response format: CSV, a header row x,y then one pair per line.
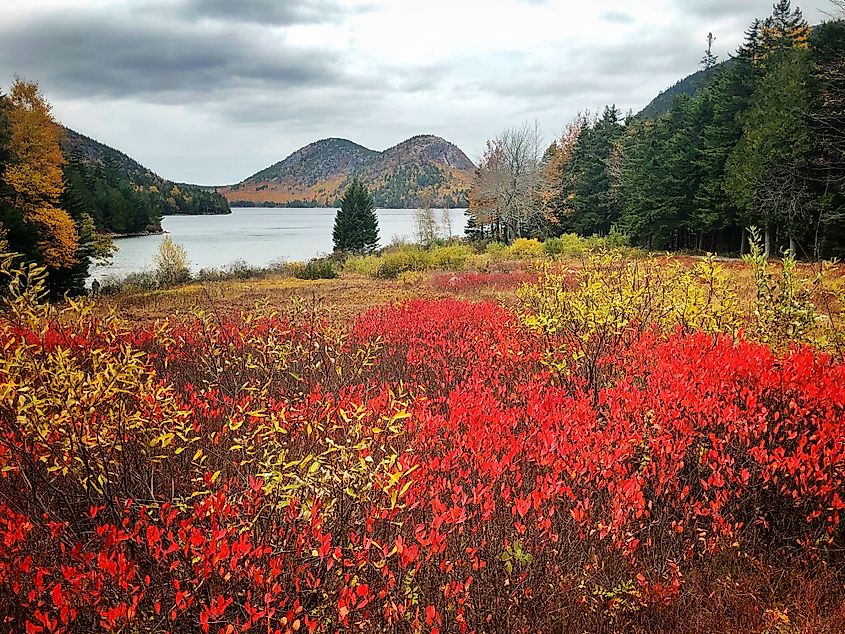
x,y
123,196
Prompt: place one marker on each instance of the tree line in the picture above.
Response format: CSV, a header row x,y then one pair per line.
x,y
127,203
762,143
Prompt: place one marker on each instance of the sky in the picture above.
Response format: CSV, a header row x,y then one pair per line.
x,y
212,91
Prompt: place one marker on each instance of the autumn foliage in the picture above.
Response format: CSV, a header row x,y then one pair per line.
x,y
34,175
433,467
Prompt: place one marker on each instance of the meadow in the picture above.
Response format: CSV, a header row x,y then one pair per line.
x,y
599,441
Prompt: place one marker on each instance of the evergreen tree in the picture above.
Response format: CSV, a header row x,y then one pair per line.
x,y
782,32
643,185
766,173
729,95
356,224
827,121
594,208
710,59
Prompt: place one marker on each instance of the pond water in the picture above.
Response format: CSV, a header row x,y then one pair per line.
x,y
258,236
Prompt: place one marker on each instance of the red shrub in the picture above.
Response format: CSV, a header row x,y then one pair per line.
x,y
424,472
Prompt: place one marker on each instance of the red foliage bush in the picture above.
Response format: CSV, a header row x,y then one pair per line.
x,y
469,282
425,471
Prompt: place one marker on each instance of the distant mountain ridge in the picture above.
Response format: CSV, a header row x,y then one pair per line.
x,y
76,146
422,170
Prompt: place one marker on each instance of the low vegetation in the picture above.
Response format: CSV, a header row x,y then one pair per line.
x,y
622,444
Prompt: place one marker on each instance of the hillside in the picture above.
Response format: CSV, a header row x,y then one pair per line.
x,y
690,86
122,195
422,170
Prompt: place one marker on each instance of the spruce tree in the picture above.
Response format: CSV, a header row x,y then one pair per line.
x,y
827,120
595,209
766,173
356,224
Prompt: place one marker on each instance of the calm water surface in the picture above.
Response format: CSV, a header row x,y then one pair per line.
x,y
258,236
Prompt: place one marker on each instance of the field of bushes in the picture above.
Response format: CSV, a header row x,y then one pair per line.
x,y
601,443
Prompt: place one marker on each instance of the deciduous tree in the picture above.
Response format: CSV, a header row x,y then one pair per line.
x,y
33,176
507,184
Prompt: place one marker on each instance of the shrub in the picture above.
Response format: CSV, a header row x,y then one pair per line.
x,y
411,278
316,269
363,265
402,259
496,250
785,313
525,248
420,469
569,244
613,240
171,263
610,301
141,281
452,258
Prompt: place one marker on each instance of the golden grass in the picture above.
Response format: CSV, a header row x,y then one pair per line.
x,y
350,294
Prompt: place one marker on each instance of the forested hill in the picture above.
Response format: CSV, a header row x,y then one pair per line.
x,y
423,170
689,86
122,195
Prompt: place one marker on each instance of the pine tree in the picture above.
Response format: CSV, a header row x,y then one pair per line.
x,y
356,223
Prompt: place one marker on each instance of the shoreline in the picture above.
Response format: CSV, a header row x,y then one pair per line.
x,y
139,234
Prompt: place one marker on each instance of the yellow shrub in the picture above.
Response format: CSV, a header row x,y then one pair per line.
x,y
452,258
411,278
406,258
524,248
569,244
363,265
496,251
611,294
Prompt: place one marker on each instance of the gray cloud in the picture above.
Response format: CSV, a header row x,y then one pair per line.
x,y
110,55
721,9
276,12
649,55
211,90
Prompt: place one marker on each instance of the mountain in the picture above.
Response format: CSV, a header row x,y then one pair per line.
x,y
661,104
123,196
422,170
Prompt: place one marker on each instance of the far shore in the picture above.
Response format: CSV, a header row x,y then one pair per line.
x,y
139,234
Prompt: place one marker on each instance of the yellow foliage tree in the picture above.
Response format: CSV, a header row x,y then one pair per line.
x,y
34,174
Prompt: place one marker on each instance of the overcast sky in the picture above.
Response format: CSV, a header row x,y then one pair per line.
x,y
211,91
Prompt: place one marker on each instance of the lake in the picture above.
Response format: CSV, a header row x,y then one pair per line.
x,y
258,236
